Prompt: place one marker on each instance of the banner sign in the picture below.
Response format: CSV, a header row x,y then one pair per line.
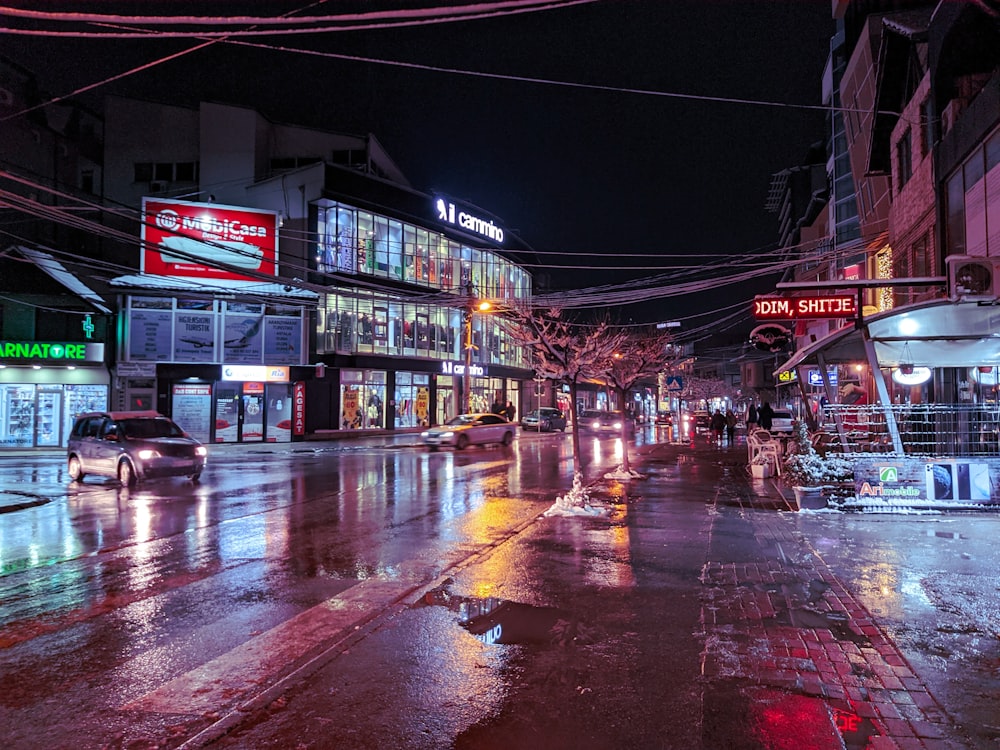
x,y
799,308
207,240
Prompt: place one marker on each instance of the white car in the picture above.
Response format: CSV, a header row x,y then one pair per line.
x,y
470,429
783,422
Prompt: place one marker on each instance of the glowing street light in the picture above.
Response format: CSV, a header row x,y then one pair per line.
x,y
482,307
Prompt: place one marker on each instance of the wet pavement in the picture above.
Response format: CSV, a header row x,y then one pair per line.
x,y
703,611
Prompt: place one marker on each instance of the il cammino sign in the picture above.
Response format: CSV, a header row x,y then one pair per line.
x,y
795,308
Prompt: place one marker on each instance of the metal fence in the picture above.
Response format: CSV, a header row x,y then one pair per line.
x,y
924,429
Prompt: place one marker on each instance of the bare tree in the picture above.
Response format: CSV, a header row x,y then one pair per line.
x,y
635,355
561,351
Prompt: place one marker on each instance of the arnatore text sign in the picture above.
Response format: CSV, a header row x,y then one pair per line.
x,y
795,308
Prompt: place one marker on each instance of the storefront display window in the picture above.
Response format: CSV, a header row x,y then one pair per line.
x,y
362,399
42,415
412,399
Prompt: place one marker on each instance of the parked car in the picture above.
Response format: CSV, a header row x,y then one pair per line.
x,y
132,445
470,429
783,421
544,419
601,422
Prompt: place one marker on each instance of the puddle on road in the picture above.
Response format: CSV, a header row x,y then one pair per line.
x,y
500,621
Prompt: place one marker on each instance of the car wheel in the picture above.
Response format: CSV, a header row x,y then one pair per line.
x,y
432,449
76,469
508,438
545,426
126,473
196,477
462,442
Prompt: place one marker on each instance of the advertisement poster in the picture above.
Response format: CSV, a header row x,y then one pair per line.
x,y
242,340
283,339
420,408
351,416
149,335
192,409
195,337
208,240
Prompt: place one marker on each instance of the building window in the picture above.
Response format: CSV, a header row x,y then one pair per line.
x,y
87,181
163,171
142,172
186,171
904,160
926,127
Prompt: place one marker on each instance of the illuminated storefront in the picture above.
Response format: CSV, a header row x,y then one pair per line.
x,y
44,385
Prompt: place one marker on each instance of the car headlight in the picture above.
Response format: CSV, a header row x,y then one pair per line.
x,y
596,425
201,450
147,453
425,435
617,425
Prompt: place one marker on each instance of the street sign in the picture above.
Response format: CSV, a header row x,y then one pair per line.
x,y
675,383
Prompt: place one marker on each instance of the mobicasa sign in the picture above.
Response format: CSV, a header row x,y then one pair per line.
x,y
208,240
796,308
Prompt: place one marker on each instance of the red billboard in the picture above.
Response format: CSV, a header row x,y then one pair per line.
x,y
208,240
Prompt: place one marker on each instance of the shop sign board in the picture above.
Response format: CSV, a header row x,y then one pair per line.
x,y
51,352
207,240
803,308
299,408
467,218
457,368
262,373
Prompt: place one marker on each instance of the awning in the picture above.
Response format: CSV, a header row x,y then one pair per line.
x,y
939,333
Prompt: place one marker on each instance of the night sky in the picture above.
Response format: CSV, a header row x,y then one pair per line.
x,y
606,171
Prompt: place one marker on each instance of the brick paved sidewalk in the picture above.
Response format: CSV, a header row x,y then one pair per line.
x,y
789,634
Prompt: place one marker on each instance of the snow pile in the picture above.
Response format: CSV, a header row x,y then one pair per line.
x,y
621,475
576,502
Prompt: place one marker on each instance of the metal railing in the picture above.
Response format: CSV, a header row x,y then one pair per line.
x,y
924,429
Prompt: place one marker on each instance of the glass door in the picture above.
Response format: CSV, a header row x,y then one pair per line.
x,y
47,417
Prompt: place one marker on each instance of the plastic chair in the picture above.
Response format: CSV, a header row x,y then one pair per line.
x,y
761,442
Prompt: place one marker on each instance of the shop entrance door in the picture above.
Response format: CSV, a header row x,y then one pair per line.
x,y
252,417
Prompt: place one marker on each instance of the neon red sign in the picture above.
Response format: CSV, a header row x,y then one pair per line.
x,y
793,308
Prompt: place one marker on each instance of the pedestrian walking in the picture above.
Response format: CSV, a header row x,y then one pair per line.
x,y
718,424
730,426
510,411
751,418
765,416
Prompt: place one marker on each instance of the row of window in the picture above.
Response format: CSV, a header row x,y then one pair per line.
x,y
381,325
358,242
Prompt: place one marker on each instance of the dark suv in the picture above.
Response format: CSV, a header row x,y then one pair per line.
x,y
132,445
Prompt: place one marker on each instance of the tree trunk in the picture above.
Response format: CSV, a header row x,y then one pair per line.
x,y
626,467
577,464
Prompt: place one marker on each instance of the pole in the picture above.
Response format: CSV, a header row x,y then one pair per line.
x,y
467,385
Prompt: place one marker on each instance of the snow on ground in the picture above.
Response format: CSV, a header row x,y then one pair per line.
x,y
576,502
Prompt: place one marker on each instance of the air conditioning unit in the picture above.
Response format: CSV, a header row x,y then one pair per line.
x,y
158,186
973,278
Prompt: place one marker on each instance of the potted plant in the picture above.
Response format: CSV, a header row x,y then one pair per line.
x,y
808,472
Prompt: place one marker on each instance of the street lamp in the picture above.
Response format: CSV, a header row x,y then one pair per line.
x,y
482,306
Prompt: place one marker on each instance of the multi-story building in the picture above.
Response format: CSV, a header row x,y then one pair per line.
x,y
921,99
361,314
55,331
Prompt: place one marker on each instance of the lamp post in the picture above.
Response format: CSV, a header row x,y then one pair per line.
x,y
473,306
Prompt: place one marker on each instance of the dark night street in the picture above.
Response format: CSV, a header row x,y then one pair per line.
x,y
382,596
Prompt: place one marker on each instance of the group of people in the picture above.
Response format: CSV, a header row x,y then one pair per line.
x,y
762,418
509,411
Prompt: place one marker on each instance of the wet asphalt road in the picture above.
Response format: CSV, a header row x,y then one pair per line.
x,y
385,597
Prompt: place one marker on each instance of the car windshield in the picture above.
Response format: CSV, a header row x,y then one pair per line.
x,y
150,428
